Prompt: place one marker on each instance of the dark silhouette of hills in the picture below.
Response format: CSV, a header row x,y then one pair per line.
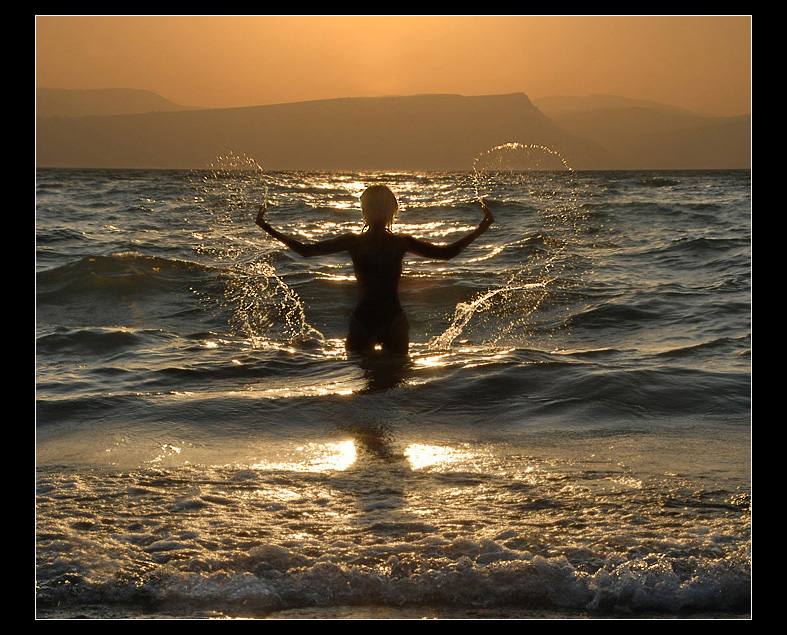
x,y
643,134
60,102
138,129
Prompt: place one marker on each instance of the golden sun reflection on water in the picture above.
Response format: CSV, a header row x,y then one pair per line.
x,y
432,456
433,361
340,456
316,457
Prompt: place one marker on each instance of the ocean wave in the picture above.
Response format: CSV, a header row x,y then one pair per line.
x,y
280,546
699,247
595,391
128,271
490,576
93,341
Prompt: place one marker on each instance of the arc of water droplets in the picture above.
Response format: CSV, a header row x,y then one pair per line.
x,y
252,282
500,149
465,311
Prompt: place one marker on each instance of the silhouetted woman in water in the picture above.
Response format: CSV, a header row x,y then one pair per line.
x,y
377,253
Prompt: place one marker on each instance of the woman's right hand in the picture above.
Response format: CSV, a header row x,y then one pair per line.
x,y
261,216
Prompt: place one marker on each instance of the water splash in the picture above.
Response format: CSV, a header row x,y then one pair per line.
x,y
534,180
505,166
261,306
465,311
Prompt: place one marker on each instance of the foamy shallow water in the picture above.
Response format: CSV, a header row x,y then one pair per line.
x,y
374,521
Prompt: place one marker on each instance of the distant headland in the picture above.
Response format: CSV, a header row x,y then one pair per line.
x,y
126,128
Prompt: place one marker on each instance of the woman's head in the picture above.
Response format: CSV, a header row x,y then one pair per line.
x,y
378,206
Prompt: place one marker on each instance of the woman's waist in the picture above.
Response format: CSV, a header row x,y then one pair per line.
x,y
377,307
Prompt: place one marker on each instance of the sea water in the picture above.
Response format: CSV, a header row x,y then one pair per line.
x,y
569,436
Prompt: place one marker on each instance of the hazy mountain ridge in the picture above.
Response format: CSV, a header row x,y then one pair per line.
x,y
61,102
420,132
647,134
560,105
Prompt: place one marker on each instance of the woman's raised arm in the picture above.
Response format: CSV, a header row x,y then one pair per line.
x,y
446,252
307,250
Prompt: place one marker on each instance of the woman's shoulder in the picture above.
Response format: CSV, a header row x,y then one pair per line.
x,y
404,242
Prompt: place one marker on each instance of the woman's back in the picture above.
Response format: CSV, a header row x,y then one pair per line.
x,y
377,262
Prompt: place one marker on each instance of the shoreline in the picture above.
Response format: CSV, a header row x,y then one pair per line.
x,y
380,612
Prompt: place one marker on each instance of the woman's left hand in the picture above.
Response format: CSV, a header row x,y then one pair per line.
x,y
488,218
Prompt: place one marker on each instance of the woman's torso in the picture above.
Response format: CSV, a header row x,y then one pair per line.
x,y
377,262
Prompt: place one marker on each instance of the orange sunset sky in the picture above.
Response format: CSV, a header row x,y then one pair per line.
x,y
702,63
